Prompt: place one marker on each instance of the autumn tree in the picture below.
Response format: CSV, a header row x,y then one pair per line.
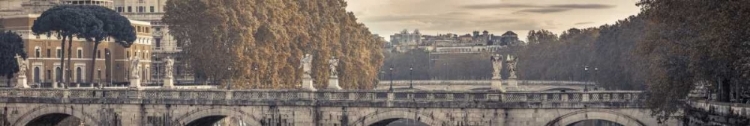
x,y
262,42
690,41
11,45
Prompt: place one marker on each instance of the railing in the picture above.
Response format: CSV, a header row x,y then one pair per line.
x,y
332,98
720,108
475,82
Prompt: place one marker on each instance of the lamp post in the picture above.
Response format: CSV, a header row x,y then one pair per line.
x,y
99,75
255,70
585,84
229,84
411,84
596,71
157,69
109,76
391,76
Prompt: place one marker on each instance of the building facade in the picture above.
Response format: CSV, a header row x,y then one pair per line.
x,y
148,12
44,51
164,46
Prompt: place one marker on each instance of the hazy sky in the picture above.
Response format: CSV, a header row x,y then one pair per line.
x,y
386,17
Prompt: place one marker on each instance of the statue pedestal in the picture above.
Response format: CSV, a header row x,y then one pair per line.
x,y
135,83
307,83
333,83
497,85
512,84
22,82
168,83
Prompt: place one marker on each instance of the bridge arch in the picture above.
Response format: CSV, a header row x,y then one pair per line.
x,y
596,114
380,117
46,111
215,114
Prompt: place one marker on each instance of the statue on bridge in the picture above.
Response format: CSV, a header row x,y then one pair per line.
x,y
497,66
306,64
23,65
134,68
168,68
334,63
512,61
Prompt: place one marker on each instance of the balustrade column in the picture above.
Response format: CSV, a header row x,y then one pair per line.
x,y
585,97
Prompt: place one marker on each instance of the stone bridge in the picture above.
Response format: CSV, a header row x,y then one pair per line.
x,y
172,107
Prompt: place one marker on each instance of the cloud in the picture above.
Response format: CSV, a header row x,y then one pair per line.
x,y
502,5
583,23
412,17
543,10
539,8
583,6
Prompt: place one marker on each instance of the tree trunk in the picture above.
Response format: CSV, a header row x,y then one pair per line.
x,y
62,61
93,62
70,74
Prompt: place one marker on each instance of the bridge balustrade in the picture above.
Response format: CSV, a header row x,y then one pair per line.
x,y
296,97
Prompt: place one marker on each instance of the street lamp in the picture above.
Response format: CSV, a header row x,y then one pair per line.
x,y
157,68
255,71
109,76
411,85
391,76
585,84
229,85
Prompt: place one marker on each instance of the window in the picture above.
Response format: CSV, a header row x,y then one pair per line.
x,y
49,52
119,9
99,74
98,54
79,75
36,75
80,53
130,9
152,9
37,52
49,75
141,9
59,53
58,74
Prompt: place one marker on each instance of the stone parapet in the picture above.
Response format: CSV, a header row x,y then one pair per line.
x,y
448,99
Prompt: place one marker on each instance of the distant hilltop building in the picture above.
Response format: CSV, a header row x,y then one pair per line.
x,y
406,38
453,43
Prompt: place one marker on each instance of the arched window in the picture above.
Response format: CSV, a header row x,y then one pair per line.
x,y
36,75
79,75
